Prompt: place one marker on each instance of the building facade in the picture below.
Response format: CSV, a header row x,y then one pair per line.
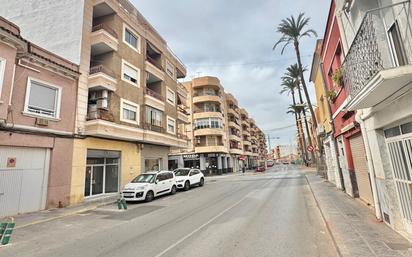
x,y
38,92
220,133
380,92
128,99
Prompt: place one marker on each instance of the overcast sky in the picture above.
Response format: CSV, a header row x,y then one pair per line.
x,y
232,40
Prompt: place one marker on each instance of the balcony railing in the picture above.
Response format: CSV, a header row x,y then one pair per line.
x,y
154,62
182,136
105,27
153,127
154,94
370,52
100,114
102,69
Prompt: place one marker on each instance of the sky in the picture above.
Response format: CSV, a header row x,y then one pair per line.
x,y
233,40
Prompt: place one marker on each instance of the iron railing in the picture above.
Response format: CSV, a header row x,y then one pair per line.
x,y
102,69
371,52
104,26
154,94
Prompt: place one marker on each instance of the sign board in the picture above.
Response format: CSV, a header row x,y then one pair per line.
x,y
310,148
190,157
11,162
242,158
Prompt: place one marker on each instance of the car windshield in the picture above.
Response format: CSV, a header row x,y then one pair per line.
x,y
182,172
144,178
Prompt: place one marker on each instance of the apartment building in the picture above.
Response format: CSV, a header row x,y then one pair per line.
x,y
377,72
323,115
129,103
219,132
38,92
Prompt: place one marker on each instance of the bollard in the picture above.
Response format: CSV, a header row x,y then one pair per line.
x,y
121,204
6,229
124,203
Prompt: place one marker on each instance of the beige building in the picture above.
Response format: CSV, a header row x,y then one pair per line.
x,y
129,103
222,137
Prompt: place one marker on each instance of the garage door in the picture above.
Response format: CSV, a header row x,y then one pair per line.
x,y
361,168
23,179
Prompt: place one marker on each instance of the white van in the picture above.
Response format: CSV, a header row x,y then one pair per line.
x,y
149,185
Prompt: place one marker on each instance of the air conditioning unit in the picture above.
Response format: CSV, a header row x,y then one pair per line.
x,y
42,122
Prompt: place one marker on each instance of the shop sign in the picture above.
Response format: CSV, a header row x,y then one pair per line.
x,y
187,157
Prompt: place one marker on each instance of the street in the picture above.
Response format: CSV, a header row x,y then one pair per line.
x,y
268,214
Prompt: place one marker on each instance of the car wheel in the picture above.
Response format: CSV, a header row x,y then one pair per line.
x,y
187,186
173,190
202,182
149,196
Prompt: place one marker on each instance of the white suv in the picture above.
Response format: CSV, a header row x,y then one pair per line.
x,y
185,178
149,185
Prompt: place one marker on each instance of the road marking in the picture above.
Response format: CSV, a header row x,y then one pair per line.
x,y
205,224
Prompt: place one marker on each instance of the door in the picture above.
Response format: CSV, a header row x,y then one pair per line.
x,y
361,168
161,185
400,152
23,179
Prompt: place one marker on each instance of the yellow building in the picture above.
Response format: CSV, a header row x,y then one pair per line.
x,y
324,125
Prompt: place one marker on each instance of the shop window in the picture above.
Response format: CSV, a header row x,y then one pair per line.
x,y
153,164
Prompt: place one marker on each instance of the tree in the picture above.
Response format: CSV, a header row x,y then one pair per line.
x,y
289,87
292,31
293,74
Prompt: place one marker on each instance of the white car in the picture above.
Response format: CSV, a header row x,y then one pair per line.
x,y
149,185
185,178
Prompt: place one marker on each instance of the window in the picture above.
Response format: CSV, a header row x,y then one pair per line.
x,y
171,125
170,96
130,38
209,91
130,73
154,116
153,164
396,44
42,99
208,123
129,111
170,70
2,68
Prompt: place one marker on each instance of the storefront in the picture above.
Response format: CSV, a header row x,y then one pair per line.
x,y
191,161
102,173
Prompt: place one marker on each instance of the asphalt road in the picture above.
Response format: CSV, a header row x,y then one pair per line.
x,y
256,215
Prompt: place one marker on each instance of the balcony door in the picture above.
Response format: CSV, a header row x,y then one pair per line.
x,y
396,44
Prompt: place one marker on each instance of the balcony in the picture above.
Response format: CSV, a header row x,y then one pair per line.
x,y
377,70
235,150
209,132
233,112
182,114
235,137
103,39
201,98
100,114
154,99
246,142
233,124
200,114
101,78
152,127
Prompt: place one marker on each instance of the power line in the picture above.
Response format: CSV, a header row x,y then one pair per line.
x,y
280,128
241,64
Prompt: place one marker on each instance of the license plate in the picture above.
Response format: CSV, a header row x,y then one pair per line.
x,y
127,194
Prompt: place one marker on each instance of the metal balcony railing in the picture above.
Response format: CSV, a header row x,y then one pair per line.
x,y
100,114
105,27
102,69
154,62
154,94
153,127
371,51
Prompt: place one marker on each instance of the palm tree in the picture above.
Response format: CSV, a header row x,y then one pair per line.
x,y
293,73
292,31
289,87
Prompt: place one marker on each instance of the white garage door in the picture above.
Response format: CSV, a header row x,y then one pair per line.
x,y
23,179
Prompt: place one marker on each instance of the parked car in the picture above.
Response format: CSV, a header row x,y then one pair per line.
x,y
186,178
270,163
260,169
149,185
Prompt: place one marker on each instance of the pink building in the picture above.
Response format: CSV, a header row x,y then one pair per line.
x,y
37,115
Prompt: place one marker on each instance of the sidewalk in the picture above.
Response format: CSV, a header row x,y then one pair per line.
x,y
353,226
28,219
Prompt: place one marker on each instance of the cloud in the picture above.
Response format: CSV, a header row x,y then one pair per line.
x,y
233,41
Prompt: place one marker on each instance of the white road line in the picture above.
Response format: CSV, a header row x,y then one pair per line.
x,y
205,224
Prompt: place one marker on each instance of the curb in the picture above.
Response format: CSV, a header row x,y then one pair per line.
x,y
335,244
64,215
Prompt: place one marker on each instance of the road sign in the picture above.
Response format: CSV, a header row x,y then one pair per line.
x,y
310,148
242,158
